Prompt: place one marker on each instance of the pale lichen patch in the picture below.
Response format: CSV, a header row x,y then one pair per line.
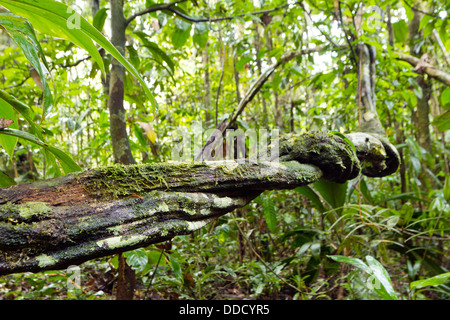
x,y
45,260
120,241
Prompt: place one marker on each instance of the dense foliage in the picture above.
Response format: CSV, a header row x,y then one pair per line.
x,y
384,238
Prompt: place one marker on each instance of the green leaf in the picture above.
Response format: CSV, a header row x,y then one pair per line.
x,y
155,50
400,31
409,12
134,56
66,162
100,18
23,109
442,122
392,222
200,36
365,190
8,142
353,261
23,35
424,21
269,213
5,180
137,259
445,98
333,193
434,281
378,277
58,20
176,268
308,192
181,33
383,284
446,189
428,29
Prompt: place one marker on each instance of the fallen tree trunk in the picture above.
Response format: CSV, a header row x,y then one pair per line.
x,y
55,223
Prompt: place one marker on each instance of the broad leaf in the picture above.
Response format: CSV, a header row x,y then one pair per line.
x,y
308,192
23,109
8,142
269,213
353,261
137,259
333,193
5,180
100,18
66,162
383,284
442,122
434,281
58,20
157,53
23,35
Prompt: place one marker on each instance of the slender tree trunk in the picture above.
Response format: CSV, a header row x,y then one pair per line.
x,y
366,98
207,96
236,77
365,95
421,113
257,44
119,137
118,127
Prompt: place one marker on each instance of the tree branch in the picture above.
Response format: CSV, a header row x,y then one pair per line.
x,y
424,12
170,7
425,67
155,8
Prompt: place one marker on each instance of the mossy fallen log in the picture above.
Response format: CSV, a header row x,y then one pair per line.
x,y
54,223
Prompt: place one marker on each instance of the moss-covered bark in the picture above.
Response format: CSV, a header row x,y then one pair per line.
x,y
67,220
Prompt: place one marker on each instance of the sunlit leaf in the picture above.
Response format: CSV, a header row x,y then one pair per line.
x,y
59,20
151,135
23,35
433,281
100,18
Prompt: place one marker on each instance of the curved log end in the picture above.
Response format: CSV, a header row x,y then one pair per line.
x,y
379,158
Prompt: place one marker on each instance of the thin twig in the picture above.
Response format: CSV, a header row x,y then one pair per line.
x,y
423,12
160,7
170,7
156,268
70,65
317,27
353,57
221,74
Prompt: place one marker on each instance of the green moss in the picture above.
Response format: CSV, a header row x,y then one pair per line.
x,y
32,209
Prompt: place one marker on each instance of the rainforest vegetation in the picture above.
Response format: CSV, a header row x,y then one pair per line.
x,y
87,84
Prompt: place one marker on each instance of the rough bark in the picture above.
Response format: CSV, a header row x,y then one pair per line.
x,y
118,127
207,88
420,115
366,97
55,223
